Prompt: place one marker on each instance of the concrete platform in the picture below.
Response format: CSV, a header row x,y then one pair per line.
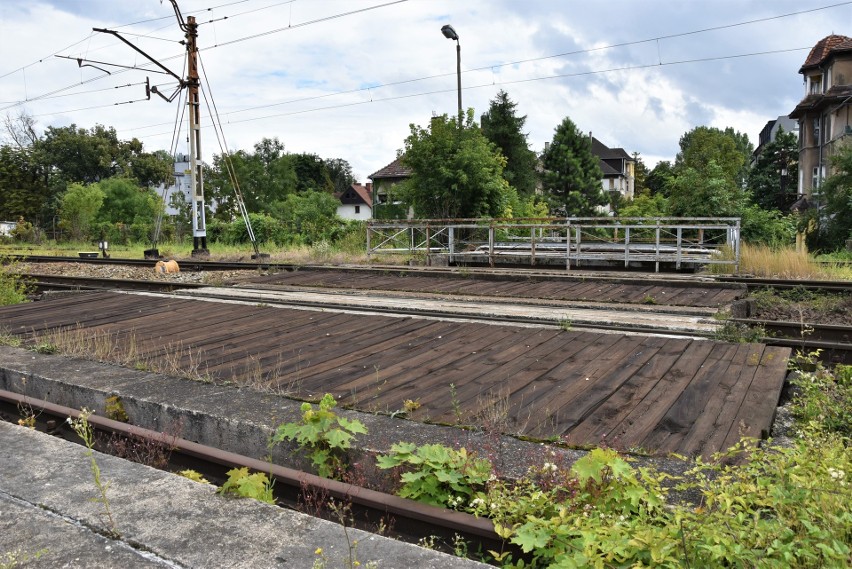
x,y
48,519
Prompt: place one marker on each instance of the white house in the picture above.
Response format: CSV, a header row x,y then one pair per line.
x,y
356,202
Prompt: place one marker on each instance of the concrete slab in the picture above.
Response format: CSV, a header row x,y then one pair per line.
x,y
655,318
164,520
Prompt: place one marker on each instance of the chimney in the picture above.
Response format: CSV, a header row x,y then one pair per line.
x,y
369,187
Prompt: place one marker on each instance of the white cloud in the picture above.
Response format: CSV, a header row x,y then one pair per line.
x,y
298,75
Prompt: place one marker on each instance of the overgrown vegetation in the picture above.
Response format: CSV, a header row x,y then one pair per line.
x,y
255,485
13,289
323,434
84,430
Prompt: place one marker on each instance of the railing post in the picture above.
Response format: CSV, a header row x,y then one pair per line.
x,y
452,239
577,246
657,249
369,249
679,245
532,246
491,244
428,247
568,247
627,247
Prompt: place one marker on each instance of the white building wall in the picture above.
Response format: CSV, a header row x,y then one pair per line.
x,y
347,211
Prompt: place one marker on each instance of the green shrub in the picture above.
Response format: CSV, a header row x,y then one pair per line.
x,y
438,475
323,434
256,486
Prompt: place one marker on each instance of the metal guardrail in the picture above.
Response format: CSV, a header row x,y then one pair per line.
x,y
576,240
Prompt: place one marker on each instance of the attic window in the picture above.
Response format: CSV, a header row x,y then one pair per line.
x,y
815,86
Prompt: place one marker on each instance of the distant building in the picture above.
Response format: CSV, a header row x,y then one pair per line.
x,y
824,114
618,169
385,204
181,183
7,227
770,133
356,202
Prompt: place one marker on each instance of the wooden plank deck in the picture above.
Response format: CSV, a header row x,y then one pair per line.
x,y
658,394
567,288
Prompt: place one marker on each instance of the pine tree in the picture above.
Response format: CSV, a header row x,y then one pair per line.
x,y
502,127
572,174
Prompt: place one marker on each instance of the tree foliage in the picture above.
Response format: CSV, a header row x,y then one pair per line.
x,y
728,149
837,191
770,188
126,202
79,206
456,171
572,174
505,129
23,184
705,192
659,177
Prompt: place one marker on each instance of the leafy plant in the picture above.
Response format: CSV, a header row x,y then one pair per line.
x,y
84,430
243,484
194,475
438,475
114,409
825,399
323,434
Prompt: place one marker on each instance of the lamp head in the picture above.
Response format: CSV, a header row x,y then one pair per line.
x,y
449,32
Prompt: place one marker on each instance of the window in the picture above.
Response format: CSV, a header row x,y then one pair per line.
x,y
357,209
816,130
815,178
815,84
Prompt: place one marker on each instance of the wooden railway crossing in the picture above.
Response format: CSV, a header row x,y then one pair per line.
x,y
660,394
562,288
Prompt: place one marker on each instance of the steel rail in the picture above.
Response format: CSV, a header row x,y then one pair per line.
x,y
482,529
62,282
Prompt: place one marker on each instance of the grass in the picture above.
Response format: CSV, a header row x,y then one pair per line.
x,y
320,253
785,262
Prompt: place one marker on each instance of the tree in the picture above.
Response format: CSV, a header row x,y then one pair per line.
x,y
266,177
770,188
504,129
456,172
708,192
311,173
728,149
572,174
640,175
646,205
340,172
837,190
126,202
78,208
659,177
23,184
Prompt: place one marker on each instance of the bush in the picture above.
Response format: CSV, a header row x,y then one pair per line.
x,y
762,227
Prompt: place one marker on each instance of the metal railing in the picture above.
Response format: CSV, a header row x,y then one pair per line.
x,y
574,241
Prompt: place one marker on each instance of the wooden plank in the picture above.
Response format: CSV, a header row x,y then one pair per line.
x,y
755,415
685,409
647,413
625,363
599,425
709,431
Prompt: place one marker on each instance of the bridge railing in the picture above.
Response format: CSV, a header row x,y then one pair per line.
x,y
574,240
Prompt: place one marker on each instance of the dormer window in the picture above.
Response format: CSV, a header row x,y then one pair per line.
x,y
815,84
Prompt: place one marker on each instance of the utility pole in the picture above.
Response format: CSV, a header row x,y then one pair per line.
x,y
196,179
192,83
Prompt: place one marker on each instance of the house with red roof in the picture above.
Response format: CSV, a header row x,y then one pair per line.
x,y
386,205
356,202
825,113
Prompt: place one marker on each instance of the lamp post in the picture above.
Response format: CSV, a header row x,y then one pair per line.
x,y
451,34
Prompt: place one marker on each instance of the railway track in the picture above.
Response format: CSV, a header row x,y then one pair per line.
x,y
752,283
412,520
833,341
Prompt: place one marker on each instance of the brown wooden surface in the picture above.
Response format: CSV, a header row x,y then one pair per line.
x,y
641,392
576,288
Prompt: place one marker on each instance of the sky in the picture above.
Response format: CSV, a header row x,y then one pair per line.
x,y
347,78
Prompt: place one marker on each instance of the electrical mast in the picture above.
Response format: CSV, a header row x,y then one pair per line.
x,y
196,179
192,83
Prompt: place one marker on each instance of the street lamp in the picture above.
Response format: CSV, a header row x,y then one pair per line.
x,y
451,34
